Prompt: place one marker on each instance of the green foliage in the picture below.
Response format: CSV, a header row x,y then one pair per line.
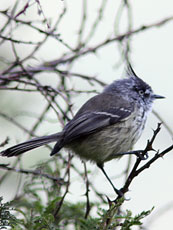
x,y
130,221
42,205
6,218
112,218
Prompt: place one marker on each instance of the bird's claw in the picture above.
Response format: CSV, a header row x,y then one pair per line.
x,y
142,155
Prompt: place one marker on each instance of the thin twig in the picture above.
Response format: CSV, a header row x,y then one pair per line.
x,y
58,180
88,207
60,203
135,171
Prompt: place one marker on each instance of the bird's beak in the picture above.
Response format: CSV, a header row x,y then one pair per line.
x,y
155,96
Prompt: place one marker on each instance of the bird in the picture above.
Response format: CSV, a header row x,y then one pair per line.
x,y
106,127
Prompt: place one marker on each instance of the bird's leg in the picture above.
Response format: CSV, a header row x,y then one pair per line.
x,y
118,192
138,153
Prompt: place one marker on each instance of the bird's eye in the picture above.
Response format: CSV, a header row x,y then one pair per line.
x,y
141,92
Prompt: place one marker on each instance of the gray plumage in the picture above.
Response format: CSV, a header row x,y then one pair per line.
x,y
106,125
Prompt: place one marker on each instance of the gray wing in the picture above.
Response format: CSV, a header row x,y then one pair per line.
x,y
91,122
97,113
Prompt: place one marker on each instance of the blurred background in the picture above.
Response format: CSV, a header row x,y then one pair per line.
x,y
75,47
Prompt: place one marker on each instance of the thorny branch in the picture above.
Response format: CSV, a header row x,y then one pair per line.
x,y
58,180
87,191
60,203
20,74
135,170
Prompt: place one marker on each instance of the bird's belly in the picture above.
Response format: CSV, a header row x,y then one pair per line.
x,y
105,144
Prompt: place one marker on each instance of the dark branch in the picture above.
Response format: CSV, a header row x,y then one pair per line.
x,y
58,180
135,171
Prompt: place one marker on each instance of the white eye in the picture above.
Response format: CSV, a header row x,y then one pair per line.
x,y
141,92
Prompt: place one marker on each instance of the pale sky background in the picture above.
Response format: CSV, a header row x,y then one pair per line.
x,y
152,58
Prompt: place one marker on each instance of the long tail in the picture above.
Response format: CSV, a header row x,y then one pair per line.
x,y
31,144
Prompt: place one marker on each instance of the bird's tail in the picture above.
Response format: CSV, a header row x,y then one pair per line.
x,y
31,144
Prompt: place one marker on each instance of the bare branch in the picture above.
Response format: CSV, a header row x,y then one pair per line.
x,y
58,180
135,171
